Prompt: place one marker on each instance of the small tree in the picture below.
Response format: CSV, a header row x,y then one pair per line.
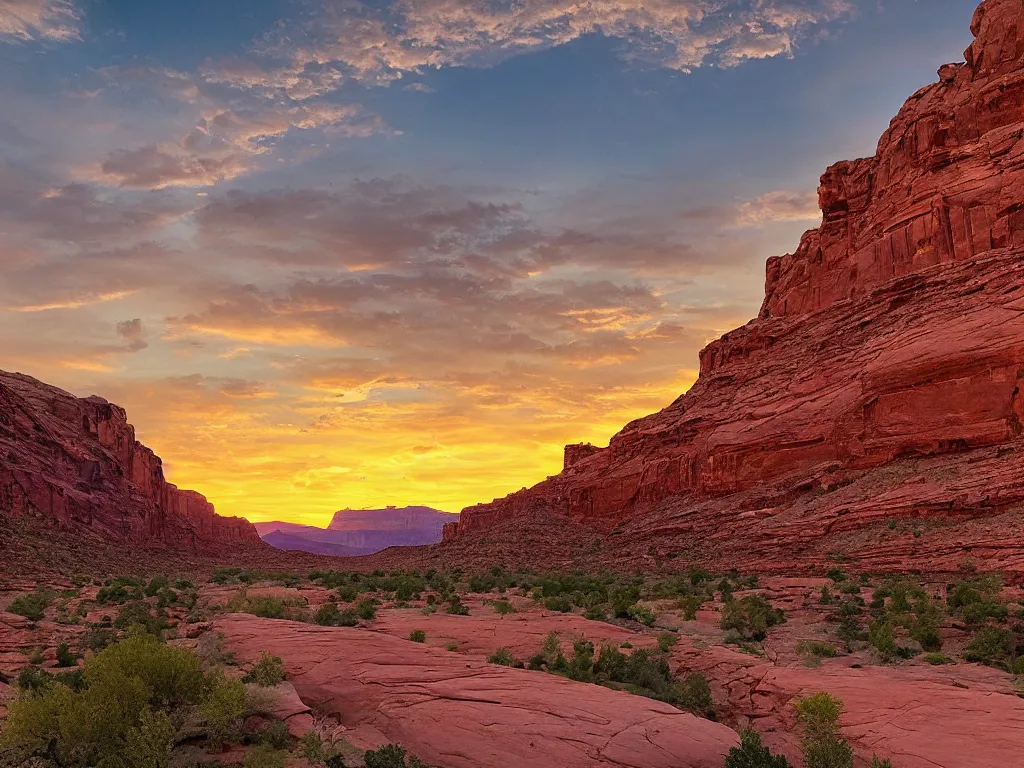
x,y
751,754
823,748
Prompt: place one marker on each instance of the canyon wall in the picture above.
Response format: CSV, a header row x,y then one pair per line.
x,y
894,334
75,463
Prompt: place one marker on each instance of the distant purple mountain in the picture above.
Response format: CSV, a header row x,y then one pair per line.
x,y
361,531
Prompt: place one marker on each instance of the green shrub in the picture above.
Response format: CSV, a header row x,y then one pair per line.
x,y
503,607
315,749
276,735
327,615
595,613
149,744
32,607
451,646
456,607
65,658
882,638
223,708
390,756
690,604
993,646
138,614
33,678
121,590
96,639
558,603
418,636
642,614
502,656
819,715
751,617
267,672
877,762
817,648
366,610
666,640
264,756
156,584
936,659
348,593
751,754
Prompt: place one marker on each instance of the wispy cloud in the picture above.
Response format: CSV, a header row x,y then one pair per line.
x,y
54,20
780,205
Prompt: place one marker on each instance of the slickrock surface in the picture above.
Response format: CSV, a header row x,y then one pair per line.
x,y
882,379
465,713
75,465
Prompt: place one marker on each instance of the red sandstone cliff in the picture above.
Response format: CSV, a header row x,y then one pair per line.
x,y
883,376
75,463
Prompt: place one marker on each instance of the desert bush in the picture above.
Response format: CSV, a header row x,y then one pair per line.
x,y
642,614
267,672
666,640
223,708
882,637
264,756
817,648
935,659
503,607
33,606
690,604
327,615
65,658
456,607
751,617
390,756
366,610
994,647
558,603
595,613
819,715
96,639
156,584
33,678
150,743
276,735
752,754
138,614
418,636
502,656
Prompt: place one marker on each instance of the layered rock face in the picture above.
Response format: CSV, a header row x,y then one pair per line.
x,y
76,463
887,359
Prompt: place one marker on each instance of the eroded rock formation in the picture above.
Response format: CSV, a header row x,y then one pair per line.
x,y
883,376
75,463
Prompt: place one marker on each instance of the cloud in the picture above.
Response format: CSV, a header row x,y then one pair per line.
x,y
133,333
53,20
75,302
376,44
779,206
159,167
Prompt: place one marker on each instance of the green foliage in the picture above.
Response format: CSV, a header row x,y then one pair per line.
x,y
690,604
502,656
96,639
113,712
366,610
995,647
751,754
156,584
936,659
817,648
32,607
65,658
456,607
977,599
751,617
276,735
149,744
121,590
642,614
503,607
264,756
391,756
327,615
666,640
33,678
223,708
819,715
836,574
882,637
418,636
267,672
595,613
877,762
139,614
558,603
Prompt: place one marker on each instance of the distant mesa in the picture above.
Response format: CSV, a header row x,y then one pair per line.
x,y
361,531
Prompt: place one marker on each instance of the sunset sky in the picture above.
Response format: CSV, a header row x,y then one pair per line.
x,y
350,253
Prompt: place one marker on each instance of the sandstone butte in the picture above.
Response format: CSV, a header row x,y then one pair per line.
x,y
74,466
882,379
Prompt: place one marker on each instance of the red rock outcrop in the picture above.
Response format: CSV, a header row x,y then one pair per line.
x,y
75,463
883,376
465,713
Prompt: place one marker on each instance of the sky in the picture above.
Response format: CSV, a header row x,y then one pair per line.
x,y
350,253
